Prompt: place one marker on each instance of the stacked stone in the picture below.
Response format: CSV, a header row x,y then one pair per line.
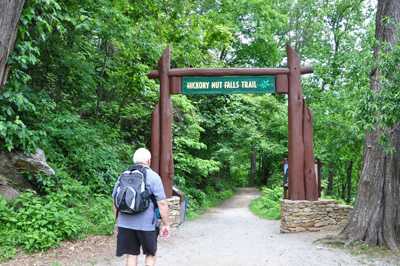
x,y
313,216
174,206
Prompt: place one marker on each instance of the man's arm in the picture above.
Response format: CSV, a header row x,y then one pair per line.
x,y
116,217
115,210
164,212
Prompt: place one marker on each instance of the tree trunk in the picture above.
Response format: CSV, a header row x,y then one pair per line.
x,y
349,173
10,13
374,220
343,192
101,86
253,168
330,179
260,158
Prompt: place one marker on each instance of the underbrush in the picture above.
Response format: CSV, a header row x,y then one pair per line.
x,y
66,210
34,223
267,206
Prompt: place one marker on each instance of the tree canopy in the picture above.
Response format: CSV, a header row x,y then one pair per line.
x,y
78,77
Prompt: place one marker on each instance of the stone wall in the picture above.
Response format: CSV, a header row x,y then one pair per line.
x,y
174,205
313,216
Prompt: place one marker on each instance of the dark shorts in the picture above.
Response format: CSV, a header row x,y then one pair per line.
x,y
129,241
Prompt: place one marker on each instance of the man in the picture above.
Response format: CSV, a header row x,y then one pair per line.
x,y
142,229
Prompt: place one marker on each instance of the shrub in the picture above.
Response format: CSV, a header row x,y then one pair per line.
x,y
200,201
267,206
33,223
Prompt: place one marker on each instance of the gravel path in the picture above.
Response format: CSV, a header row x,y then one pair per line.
x,y
229,235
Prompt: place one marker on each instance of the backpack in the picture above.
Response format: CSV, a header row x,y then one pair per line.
x,y
132,196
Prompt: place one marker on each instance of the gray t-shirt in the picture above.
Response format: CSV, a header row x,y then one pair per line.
x,y
144,221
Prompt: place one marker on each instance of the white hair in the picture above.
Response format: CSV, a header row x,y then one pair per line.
x,y
141,155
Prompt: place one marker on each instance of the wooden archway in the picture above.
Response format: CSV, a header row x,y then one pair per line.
x,y
302,177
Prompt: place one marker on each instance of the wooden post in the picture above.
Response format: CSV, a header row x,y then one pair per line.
x,y
310,180
175,85
296,146
155,139
219,72
166,161
281,82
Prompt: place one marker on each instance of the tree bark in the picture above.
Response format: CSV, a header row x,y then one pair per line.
x,y
349,174
253,168
310,180
330,178
166,158
260,156
101,87
10,14
375,219
295,124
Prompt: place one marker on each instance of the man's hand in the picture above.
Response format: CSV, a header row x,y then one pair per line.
x,y
164,212
116,229
165,232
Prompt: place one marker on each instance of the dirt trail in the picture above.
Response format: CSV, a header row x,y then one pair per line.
x,y
227,235
231,235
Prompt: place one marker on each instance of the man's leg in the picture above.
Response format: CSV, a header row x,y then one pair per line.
x,y
131,260
151,260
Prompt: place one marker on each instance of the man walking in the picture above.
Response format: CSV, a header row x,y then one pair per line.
x,y
142,229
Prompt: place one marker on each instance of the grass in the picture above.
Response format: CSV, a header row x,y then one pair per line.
x,y
370,255
268,205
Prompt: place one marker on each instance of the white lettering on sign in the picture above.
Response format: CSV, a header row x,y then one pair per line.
x,y
198,85
216,85
231,85
249,84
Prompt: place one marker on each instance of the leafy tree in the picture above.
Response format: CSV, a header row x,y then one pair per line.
x,y
234,127
374,220
339,49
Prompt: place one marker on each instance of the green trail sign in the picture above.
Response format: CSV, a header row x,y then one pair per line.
x,y
225,85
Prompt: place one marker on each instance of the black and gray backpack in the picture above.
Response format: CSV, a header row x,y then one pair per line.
x,y
132,197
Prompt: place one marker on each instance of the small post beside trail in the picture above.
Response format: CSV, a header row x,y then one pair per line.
x,y
285,184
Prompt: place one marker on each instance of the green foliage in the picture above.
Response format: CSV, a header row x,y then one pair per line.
x,y
337,91
268,205
99,216
235,126
35,223
190,169
13,131
17,107
40,223
381,106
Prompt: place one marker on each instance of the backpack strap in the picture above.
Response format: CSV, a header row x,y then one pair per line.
x,y
140,168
